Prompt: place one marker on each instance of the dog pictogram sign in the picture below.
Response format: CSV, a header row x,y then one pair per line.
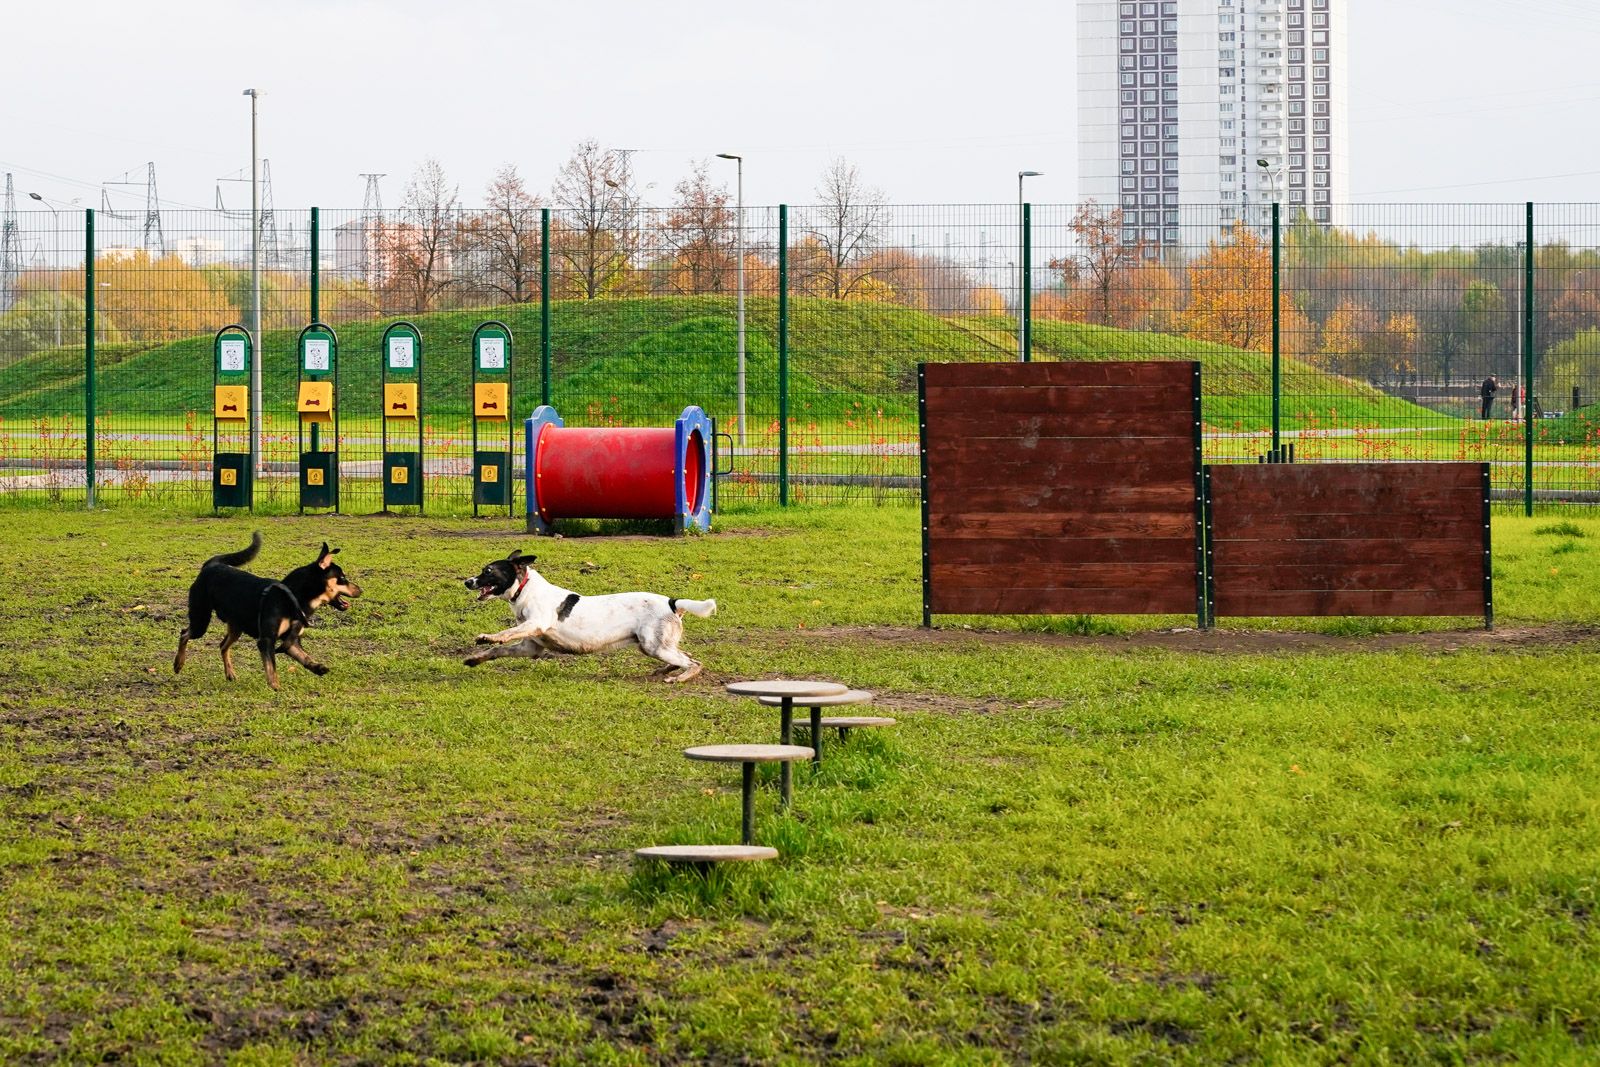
x,y
399,475
490,400
314,476
228,476
489,473
233,402
400,400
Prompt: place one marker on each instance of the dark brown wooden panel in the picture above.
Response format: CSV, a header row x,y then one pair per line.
x,y
1345,551
1066,487
967,423
1348,539
954,499
1140,374
1349,602
1067,575
1030,551
1452,574
1262,526
985,525
1059,400
1097,458
1082,601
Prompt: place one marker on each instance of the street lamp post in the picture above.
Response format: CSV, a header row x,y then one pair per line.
x,y
739,253
1022,266
255,293
55,227
1272,174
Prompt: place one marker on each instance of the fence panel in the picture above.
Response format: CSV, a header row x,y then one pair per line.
x,y
1386,330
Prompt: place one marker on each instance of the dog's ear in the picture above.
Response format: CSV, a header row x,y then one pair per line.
x,y
518,560
325,557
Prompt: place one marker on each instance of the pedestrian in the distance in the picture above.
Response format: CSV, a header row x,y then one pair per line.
x,y
1490,385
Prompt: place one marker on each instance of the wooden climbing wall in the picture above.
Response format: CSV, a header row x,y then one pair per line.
x,y
1061,488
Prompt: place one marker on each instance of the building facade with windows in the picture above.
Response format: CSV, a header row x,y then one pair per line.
x,y
1203,112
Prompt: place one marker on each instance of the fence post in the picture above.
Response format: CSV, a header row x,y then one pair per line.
x,y
1027,283
316,265
88,356
783,355
544,306
1527,366
1277,323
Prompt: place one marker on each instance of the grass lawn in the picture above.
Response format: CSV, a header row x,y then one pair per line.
x,y
1089,840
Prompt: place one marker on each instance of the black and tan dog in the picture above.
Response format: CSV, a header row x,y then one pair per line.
x,y
274,613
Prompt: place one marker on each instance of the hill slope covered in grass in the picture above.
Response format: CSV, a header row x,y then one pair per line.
x,y
641,360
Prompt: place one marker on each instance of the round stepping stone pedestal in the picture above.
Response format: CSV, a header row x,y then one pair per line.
x,y
845,723
816,704
747,756
786,691
707,853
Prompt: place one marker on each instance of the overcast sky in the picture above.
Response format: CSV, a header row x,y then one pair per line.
x,y
935,102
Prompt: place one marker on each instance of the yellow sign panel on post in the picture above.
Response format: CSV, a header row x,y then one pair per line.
x,y
316,400
490,400
400,400
233,402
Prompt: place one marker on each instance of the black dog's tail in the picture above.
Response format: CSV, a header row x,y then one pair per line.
x,y
239,558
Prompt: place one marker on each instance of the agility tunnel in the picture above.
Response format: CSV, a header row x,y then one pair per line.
x,y
614,472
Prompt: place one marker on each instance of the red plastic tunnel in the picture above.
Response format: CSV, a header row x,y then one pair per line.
x,y
611,473
621,472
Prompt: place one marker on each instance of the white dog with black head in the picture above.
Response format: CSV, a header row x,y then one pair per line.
x,y
551,619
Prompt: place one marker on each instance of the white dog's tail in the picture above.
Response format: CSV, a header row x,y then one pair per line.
x,y
703,608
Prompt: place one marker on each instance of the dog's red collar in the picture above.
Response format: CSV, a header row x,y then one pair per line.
x,y
520,587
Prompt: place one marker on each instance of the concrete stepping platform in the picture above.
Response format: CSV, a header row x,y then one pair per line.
x,y
707,853
845,723
747,756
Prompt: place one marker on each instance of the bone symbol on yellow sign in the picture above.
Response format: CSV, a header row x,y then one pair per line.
x,y
316,398
490,400
233,402
400,400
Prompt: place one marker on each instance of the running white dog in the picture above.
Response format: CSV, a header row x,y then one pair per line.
x,y
551,619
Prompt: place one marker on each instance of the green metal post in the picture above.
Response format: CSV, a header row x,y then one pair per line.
x,y
544,305
1277,337
316,267
1527,367
783,355
1027,283
88,356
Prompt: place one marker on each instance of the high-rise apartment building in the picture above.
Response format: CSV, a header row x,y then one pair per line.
x,y
1203,112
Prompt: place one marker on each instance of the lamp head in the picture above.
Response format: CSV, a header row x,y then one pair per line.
x,y
248,92
1030,173
729,155
37,197
1261,163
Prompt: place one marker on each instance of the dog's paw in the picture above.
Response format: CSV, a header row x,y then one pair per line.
x,y
317,668
486,639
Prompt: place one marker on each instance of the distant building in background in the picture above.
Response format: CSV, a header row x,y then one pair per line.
x,y
1179,102
200,251
376,251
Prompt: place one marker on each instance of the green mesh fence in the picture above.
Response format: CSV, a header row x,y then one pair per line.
x,y
1371,338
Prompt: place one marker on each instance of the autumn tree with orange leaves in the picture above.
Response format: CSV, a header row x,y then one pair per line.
x,y
700,231
1107,281
1230,297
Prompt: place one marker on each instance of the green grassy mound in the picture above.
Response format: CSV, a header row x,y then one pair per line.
x,y
642,360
